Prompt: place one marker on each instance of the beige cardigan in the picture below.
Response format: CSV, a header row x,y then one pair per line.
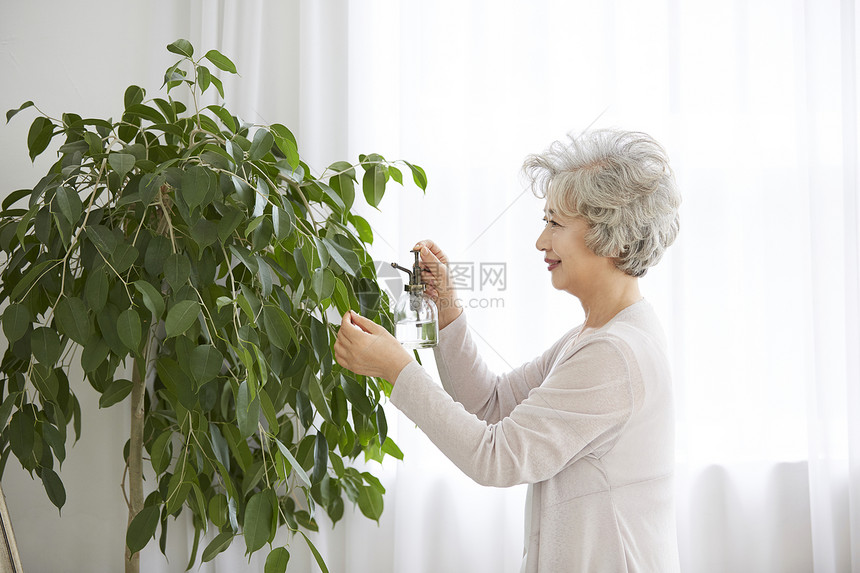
x,y
590,426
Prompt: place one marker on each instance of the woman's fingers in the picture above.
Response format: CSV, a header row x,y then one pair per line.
x,y
433,270
363,323
366,348
434,249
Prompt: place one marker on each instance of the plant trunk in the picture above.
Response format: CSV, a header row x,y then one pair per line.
x,y
135,454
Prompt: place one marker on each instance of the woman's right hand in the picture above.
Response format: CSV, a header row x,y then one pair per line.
x,y
434,272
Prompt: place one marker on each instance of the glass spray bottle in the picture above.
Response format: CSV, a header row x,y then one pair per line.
x,y
415,316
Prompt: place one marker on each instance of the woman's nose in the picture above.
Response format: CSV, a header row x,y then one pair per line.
x,y
542,243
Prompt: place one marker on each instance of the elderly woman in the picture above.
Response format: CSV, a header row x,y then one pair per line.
x,y
589,423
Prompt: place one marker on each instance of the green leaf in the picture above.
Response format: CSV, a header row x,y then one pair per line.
x,y
262,144
152,299
269,411
177,269
294,464
205,362
221,61
16,321
70,204
142,528
45,380
322,283
181,47
279,329
365,232
345,259
204,232
356,395
95,143
320,561
283,221
277,560
247,258
344,186
194,186
381,424
115,393
76,417
157,251
178,488
373,184
22,435
94,353
6,408
180,317
319,338
221,542
145,112
96,290
55,440
418,175
162,451
54,487
25,223
286,142
133,96
254,224
230,220
219,445
12,112
224,115
261,198
149,185
45,346
370,502
217,509
395,174
14,197
304,410
123,257
103,238
106,320
266,275
333,196
315,392
218,85
258,521
40,135
204,78
72,320
129,329
320,458
122,163
247,410
338,406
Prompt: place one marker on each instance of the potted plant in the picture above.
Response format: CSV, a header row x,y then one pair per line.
x,y
194,262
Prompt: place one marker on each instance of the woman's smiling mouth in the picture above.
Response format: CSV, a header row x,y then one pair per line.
x,y
552,263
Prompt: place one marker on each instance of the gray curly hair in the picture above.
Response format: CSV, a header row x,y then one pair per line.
x,y
620,182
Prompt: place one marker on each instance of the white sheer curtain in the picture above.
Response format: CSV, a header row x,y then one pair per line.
x,y
757,105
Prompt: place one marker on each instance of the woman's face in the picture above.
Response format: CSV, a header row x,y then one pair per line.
x,y
573,266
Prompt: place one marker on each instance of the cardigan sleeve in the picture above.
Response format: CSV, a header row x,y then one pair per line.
x,y
464,375
580,409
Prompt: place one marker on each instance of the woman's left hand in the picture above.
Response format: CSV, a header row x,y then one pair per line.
x,y
368,349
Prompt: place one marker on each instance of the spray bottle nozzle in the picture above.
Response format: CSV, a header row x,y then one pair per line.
x,y
414,283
